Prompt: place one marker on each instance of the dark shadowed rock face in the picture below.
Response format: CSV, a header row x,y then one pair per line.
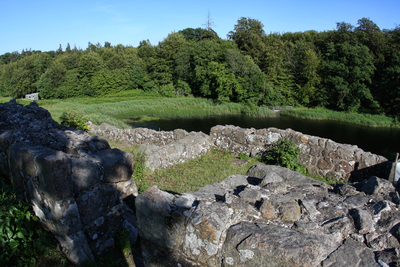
x,y
272,217
75,182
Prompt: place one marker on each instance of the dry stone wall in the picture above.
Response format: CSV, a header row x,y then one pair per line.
x,y
74,181
320,156
137,136
162,149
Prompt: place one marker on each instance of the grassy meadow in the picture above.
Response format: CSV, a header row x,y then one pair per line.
x,y
373,120
117,110
137,106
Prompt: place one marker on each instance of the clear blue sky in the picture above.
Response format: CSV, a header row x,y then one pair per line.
x,y
44,25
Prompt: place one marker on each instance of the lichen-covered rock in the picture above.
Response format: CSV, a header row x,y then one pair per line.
x,y
239,223
351,253
250,244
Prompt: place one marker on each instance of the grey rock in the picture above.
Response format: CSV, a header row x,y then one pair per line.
x,y
189,147
117,165
363,221
271,177
234,181
250,194
86,172
157,219
351,253
74,181
250,245
268,210
76,248
373,185
290,211
279,187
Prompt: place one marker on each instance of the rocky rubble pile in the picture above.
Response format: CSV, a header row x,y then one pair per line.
x,y
74,181
272,217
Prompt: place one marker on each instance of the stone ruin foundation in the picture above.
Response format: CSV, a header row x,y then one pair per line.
x,y
271,216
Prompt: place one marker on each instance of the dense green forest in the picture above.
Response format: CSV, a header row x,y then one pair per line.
x,y
352,68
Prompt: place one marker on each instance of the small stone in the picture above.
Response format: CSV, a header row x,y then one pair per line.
x,y
363,221
268,211
271,177
227,198
290,211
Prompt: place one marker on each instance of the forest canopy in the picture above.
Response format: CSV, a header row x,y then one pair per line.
x,y
351,68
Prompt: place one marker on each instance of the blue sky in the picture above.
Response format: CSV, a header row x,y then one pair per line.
x,y
44,25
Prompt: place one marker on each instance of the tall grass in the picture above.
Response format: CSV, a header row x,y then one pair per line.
x,y
114,112
119,109
114,109
374,120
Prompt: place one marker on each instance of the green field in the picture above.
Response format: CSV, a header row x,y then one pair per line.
x,y
117,108
136,106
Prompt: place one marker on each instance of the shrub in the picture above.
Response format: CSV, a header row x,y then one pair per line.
x,y
167,90
22,239
75,120
243,156
284,153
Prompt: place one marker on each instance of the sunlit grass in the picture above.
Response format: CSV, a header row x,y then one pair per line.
x,y
136,106
189,176
167,108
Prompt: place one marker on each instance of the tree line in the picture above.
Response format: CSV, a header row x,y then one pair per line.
x,y
351,68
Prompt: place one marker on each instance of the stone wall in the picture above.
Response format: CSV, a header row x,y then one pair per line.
x,y
162,149
74,181
137,136
320,156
